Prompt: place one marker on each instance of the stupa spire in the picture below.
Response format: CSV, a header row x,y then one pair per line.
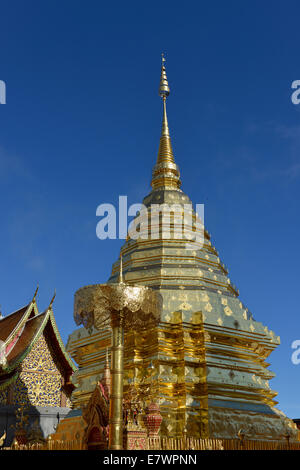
x,y
165,172
121,269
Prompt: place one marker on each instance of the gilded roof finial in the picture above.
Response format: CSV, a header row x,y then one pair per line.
x,y
52,300
165,172
35,294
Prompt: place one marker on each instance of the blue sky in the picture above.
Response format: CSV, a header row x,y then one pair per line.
x,y
81,126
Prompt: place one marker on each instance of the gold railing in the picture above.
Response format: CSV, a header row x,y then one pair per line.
x,y
236,444
48,445
172,444
184,444
219,444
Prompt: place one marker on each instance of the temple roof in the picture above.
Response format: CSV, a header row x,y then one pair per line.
x,y
20,331
9,322
29,334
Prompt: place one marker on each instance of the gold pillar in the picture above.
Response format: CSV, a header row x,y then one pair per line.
x,y
116,388
123,307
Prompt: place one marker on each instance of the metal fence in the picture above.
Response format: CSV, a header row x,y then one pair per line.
x,y
157,443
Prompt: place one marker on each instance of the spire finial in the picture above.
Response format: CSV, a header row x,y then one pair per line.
x,y
52,300
165,172
121,269
35,294
164,89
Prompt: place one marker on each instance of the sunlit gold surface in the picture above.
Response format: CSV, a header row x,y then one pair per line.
x,y
124,308
165,172
93,305
116,394
205,362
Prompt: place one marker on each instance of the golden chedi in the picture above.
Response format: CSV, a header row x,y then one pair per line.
x,y
205,362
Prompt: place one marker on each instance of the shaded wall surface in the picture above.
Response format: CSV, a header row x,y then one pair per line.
x,y
46,418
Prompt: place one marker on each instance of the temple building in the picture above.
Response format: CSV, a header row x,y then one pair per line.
x,y
35,373
205,364
89,425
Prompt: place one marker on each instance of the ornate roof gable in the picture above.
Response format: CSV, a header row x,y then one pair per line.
x,y
21,330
